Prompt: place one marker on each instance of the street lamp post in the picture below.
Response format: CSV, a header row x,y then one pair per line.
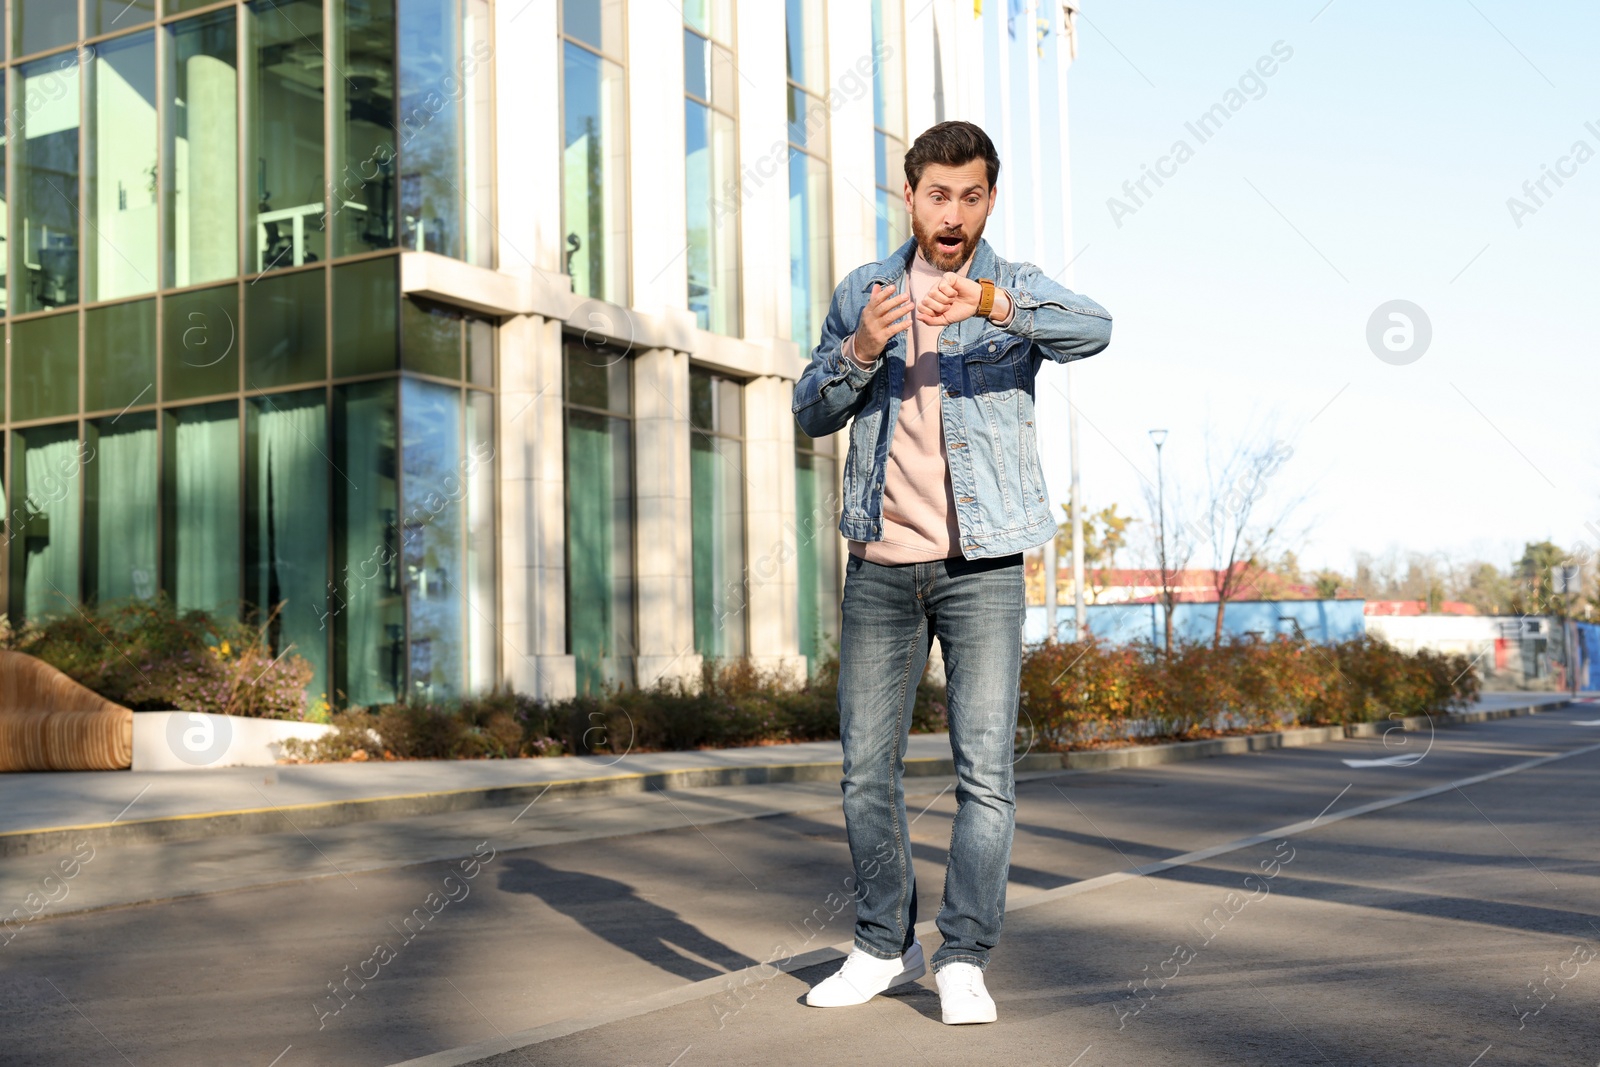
x,y
1160,438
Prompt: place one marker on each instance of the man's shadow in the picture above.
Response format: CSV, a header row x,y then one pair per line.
x,y
612,910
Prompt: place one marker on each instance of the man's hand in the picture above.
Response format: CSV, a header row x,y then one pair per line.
x,y
885,315
953,299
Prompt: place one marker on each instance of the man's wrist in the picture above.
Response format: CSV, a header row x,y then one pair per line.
x,y
1003,307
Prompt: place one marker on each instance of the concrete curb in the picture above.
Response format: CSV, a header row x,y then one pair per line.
x,y
276,819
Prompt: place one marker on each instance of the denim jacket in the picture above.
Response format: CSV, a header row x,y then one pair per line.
x,y
987,376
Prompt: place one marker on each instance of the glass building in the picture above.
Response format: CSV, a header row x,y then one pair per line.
x,y
464,330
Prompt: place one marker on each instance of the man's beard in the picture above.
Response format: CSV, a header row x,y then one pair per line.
x,y
944,261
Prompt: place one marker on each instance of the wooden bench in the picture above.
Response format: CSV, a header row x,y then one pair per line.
x,y
48,722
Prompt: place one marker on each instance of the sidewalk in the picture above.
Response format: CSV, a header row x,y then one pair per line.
x,y
42,812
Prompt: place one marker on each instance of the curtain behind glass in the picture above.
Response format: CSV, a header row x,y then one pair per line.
x,y
717,489
600,548
51,474
205,527
122,483
289,523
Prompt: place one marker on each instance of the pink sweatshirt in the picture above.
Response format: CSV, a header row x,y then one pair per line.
x,y
919,510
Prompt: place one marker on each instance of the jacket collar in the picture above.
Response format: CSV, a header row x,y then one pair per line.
x,y
892,269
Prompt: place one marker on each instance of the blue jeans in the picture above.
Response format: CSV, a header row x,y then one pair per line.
x,y
891,615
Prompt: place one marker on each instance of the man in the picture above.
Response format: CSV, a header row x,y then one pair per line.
x,y
933,353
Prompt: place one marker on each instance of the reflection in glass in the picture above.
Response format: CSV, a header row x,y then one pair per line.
x,y
287,329
810,288
285,153
201,150
600,585
364,604
807,50
44,367
430,338
432,553
287,522
200,343
597,23
716,469
430,127
110,16
42,24
201,549
713,217
119,356
46,473
363,211
593,158
482,598
45,157
120,505
367,295
122,168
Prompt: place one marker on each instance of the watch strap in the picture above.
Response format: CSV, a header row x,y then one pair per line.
x,y
986,299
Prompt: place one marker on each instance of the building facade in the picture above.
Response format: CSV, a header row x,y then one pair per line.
x,y
465,330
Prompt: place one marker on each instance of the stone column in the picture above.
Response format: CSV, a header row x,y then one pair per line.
x,y
531,469
664,548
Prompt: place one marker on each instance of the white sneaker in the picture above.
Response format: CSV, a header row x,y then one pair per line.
x,y
962,996
864,976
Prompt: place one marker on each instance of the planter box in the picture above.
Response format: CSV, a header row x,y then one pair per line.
x,y
193,740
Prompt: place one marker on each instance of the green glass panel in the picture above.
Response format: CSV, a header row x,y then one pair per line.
x,y
44,156
717,513
200,150
817,546
364,609
599,549
286,330
200,343
713,254
109,16
810,256
178,7
201,548
42,24
120,507
430,339
365,306
285,155
598,377
431,537
286,523
46,476
121,170
44,367
482,597
119,356
364,191
5,130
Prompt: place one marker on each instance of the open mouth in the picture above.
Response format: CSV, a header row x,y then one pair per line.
x,y
948,243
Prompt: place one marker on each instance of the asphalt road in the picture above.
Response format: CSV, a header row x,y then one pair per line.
x,y
1451,928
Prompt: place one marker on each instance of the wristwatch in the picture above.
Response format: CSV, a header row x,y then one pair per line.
x,y
986,300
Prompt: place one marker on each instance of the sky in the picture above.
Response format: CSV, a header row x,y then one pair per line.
x,y
1375,164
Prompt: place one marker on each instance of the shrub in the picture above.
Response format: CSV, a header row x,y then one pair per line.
x,y
147,656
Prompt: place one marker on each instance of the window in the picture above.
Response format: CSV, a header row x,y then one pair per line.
x,y
366,615
594,147
202,548
285,54
600,515
365,155
889,124
817,546
716,478
44,154
710,117
119,507
46,475
121,189
200,150
810,251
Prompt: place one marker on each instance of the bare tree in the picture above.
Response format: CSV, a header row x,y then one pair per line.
x,y
1171,545
1239,525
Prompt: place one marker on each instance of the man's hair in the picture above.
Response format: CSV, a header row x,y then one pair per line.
x,y
951,144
